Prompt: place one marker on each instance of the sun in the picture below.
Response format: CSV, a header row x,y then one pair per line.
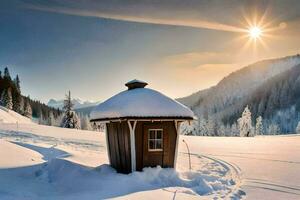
x,y
255,32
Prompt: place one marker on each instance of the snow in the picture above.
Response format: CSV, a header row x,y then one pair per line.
x,y
42,162
140,102
9,116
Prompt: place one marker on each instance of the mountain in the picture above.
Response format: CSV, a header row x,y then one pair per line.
x,y
78,103
266,86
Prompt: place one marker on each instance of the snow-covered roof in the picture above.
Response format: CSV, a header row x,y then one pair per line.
x,y
140,102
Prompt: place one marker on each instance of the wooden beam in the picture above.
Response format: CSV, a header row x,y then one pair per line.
x,y
107,143
132,144
177,127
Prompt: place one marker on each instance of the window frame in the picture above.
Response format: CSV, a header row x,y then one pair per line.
x,y
155,139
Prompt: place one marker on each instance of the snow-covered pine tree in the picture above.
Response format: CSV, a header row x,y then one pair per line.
x,y
202,129
228,130
17,98
9,102
245,123
187,128
22,106
85,123
298,128
6,99
27,109
222,130
273,129
57,121
211,126
234,130
259,128
70,118
41,119
51,119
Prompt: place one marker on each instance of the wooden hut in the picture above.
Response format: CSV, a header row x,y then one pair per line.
x,y
142,127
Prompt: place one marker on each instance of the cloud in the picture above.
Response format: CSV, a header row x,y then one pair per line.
x,y
138,18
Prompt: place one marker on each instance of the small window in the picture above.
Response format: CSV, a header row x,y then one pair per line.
x,y
155,139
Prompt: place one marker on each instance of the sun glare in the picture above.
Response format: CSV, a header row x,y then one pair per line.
x,y
255,32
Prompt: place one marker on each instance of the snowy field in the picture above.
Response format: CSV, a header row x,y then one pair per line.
x,y
41,162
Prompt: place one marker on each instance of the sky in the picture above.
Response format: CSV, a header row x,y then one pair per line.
x,y
179,47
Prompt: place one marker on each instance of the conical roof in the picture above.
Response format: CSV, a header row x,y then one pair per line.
x,y
140,102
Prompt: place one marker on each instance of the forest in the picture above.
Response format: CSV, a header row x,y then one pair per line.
x,y
12,98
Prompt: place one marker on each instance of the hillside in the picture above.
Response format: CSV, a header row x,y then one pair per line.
x,y
9,116
277,100
225,101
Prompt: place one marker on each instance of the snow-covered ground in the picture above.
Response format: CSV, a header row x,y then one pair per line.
x,y
9,116
42,162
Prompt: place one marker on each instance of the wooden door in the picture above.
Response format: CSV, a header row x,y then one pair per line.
x,y
155,145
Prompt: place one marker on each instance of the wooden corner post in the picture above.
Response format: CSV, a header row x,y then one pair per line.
x,y
132,144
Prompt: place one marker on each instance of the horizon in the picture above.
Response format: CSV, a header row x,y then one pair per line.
x,y
102,46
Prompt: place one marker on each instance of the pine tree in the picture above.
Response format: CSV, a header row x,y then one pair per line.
x,y
273,129
6,99
17,83
259,129
41,119
27,110
222,130
211,126
202,129
6,74
228,130
85,123
22,106
245,123
298,128
9,101
70,118
234,130
51,119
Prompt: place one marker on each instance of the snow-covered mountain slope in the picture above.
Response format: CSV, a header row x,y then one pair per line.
x,y
55,163
240,83
277,100
78,103
9,116
225,102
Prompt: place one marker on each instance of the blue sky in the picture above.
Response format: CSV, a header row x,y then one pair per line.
x,y
93,47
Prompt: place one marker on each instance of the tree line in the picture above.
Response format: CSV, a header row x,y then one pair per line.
x,y
244,126
12,98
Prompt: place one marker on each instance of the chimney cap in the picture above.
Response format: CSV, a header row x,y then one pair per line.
x,y
133,84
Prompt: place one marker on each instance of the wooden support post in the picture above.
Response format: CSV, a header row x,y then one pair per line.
x,y
132,144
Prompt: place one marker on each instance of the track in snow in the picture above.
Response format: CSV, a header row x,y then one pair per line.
x,y
228,174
